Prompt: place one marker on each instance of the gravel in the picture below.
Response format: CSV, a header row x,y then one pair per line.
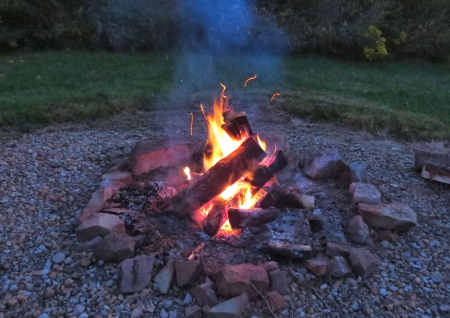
x,y
47,177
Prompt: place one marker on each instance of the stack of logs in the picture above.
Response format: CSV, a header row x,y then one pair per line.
x,y
250,162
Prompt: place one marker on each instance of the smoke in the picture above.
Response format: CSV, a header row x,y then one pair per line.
x,y
225,41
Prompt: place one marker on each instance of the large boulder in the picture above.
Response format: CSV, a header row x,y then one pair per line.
x,y
136,273
115,248
150,155
329,165
364,193
394,216
99,224
244,278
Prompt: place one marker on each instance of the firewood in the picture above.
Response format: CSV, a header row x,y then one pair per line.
x,y
217,216
268,168
223,174
237,125
290,251
241,218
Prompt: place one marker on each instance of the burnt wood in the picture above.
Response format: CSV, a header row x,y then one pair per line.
x,y
270,165
241,162
290,251
213,222
241,218
237,125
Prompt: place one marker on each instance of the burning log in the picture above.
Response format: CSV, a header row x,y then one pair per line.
x,y
237,125
290,251
268,168
216,217
241,218
223,174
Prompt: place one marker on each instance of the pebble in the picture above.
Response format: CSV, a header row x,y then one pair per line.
x,y
49,293
436,277
59,257
163,313
167,303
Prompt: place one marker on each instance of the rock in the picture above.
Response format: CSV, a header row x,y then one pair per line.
x,y
362,262
444,309
112,184
49,293
96,203
339,267
270,266
122,176
78,309
59,257
235,280
164,278
386,235
357,230
276,300
436,277
329,165
136,273
364,193
232,308
279,282
355,172
136,313
275,139
188,272
89,245
318,266
307,201
421,157
150,155
85,261
191,311
12,302
334,249
115,248
100,224
394,216
204,295
167,303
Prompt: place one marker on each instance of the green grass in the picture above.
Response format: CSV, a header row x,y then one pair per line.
x,y
408,98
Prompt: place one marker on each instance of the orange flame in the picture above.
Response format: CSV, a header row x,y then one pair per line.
x,y
274,95
223,91
249,79
192,123
187,171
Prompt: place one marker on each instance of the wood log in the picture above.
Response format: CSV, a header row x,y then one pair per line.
x,y
270,165
216,217
291,251
421,157
223,174
237,125
436,172
241,218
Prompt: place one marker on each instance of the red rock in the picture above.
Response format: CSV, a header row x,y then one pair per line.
x,y
150,155
394,216
362,262
276,300
279,282
232,308
191,310
244,278
318,266
204,295
115,248
99,224
357,230
96,203
164,278
339,267
136,273
329,165
187,272
334,249
386,235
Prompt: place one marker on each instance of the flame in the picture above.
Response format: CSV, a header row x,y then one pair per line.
x,y
223,91
187,171
249,79
261,143
192,122
274,95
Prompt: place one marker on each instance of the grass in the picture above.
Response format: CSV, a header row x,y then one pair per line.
x,y
408,98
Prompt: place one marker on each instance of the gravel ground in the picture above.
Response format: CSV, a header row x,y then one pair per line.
x,y
47,176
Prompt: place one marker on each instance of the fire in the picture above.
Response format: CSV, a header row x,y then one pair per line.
x,y
274,95
223,91
250,79
187,171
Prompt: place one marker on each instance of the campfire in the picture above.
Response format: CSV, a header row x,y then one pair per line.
x,y
239,173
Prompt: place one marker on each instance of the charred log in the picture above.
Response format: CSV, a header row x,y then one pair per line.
x,y
213,222
268,168
224,173
241,218
237,125
290,251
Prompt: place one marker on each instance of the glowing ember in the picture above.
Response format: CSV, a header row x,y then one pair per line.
x,y
250,79
223,91
274,95
187,171
192,122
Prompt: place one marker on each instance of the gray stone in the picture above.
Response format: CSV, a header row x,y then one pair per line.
x,y
394,216
357,230
59,257
99,224
232,308
436,277
339,267
136,313
204,295
136,273
96,203
115,248
187,272
279,282
364,193
164,278
362,262
334,249
355,172
191,310
329,165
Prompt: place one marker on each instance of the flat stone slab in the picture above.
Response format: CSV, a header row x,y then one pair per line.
x,y
97,202
329,165
394,216
232,308
99,224
165,276
136,273
364,193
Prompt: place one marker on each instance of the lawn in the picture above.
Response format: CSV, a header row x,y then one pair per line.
x,y
407,98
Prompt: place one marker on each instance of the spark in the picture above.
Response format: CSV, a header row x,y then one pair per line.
x,y
223,91
192,123
274,95
187,171
249,79
203,111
